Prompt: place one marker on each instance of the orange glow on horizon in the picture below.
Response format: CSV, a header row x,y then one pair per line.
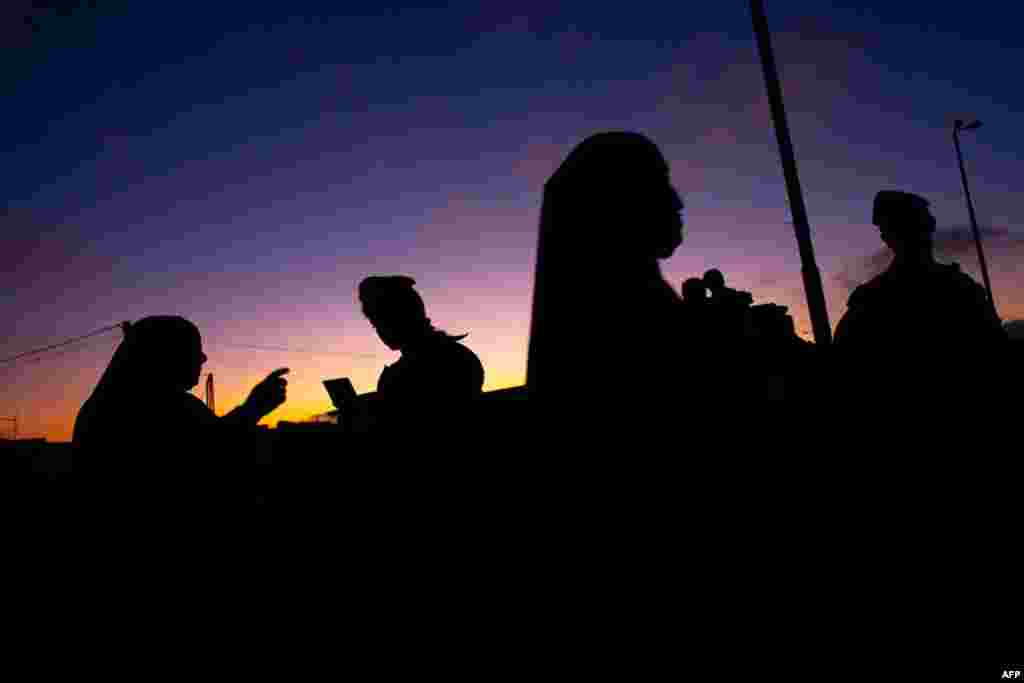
x,y
59,403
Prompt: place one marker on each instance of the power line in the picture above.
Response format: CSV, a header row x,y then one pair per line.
x,y
77,348
36,352
286,349
257,347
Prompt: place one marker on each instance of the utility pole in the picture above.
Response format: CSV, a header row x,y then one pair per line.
x,y
809,267
957,127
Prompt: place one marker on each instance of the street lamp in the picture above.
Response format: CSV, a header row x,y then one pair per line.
x,y
958,126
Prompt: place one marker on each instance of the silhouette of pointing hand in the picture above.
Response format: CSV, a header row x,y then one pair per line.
x,y
268,394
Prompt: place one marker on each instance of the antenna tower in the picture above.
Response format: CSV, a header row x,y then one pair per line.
x,y
210,403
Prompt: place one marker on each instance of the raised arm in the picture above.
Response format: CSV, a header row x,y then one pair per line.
x,y
264,398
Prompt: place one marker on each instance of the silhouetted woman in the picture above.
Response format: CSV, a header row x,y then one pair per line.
x,y
141,435
609,336
432,387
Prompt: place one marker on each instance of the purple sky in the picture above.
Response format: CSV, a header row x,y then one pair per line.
x,y
247,170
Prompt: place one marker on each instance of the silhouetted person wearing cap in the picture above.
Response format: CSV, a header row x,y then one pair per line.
x,y
433,386
903,328
918,359
143,440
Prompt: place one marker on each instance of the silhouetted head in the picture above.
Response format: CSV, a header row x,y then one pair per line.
x,y
613,192
904,221
694,291
714,280
159,353
394,308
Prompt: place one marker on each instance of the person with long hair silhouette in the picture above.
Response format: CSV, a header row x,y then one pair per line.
x,y
609,336
143,435
434,383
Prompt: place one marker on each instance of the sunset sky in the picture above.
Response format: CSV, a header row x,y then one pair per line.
x,y
245,168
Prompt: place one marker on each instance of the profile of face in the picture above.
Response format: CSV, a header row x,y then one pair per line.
x,y
396,325
905,236
184,361
194,361
167,352
665,220
905,222
651,207
391,331
394,309
619,183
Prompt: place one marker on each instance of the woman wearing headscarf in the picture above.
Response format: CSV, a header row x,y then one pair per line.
x,y
626,387
142,435
434,384
609,339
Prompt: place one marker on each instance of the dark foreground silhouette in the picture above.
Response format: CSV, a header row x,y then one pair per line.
x,y
142,440
611,343
643,482
905,327
433,386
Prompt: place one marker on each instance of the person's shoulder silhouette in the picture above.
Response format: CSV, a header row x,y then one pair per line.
x,y
439,365
916,299
904,324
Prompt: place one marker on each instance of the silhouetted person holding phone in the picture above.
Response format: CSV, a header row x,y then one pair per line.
x,y
714,280
433,386
145,437
918,316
